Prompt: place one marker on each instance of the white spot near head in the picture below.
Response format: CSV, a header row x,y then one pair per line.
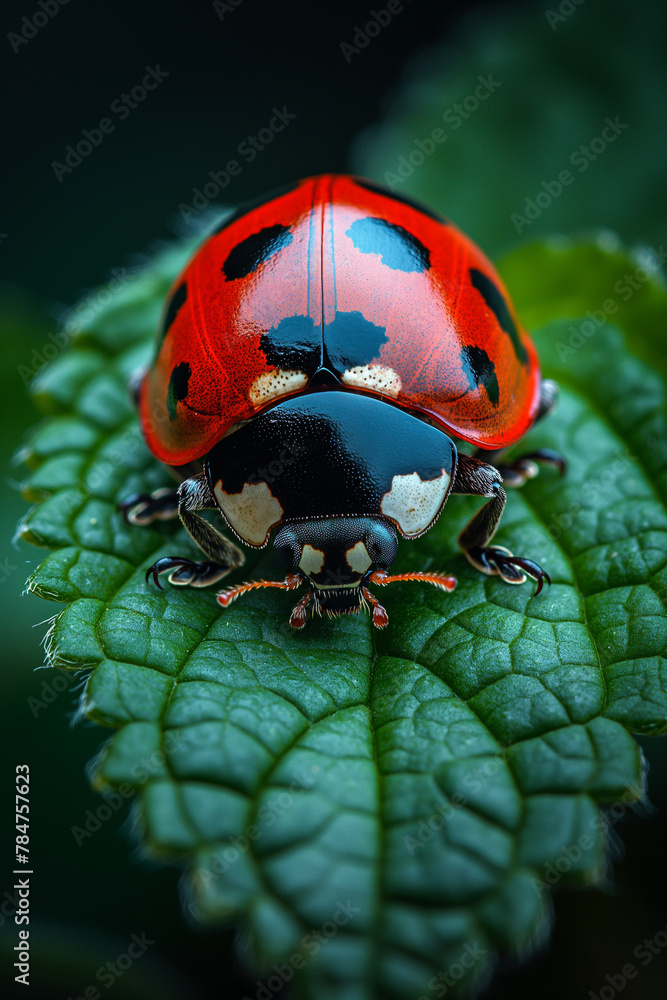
x,y
252,512
272,385
358,558
414,503
311,561
375,378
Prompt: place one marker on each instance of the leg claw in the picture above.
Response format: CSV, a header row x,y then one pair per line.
x,y
144,508
526,467
185,572
495,559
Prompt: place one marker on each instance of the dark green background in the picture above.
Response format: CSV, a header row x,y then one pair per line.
x,y
65,238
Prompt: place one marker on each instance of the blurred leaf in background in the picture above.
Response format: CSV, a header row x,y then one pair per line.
x,y
519,98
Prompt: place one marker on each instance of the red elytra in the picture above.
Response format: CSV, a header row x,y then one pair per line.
x,y
436,331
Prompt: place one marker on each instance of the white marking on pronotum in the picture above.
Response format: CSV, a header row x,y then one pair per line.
x,y
312,560
271,385
252,512
375,378
358,558
414,503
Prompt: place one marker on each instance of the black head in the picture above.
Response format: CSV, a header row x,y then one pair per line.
x,y
336,474
339,557
336,555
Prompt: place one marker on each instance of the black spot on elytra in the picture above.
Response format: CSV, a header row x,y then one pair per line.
x,y
295,344
254,250
403,198
479,369
352,340
178,387
251,204
396,247
498,306
177,300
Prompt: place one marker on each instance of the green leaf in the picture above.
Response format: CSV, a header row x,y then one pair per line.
x,y
376,808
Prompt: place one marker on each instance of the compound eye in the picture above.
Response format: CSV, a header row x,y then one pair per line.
x,y
289,547
381,544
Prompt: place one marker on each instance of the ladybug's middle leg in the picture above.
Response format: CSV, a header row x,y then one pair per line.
x,y
194,495
475,478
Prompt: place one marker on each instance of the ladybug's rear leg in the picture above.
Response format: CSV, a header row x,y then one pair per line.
x,y
144,508
525,467
516,473
192,496
475,478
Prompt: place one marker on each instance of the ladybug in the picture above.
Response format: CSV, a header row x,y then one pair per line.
x,y
315,360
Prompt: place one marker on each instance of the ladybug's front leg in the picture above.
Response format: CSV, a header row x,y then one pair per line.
x,y
475,478
192,496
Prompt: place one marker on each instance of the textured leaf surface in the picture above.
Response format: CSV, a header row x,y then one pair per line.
x,y
378,809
